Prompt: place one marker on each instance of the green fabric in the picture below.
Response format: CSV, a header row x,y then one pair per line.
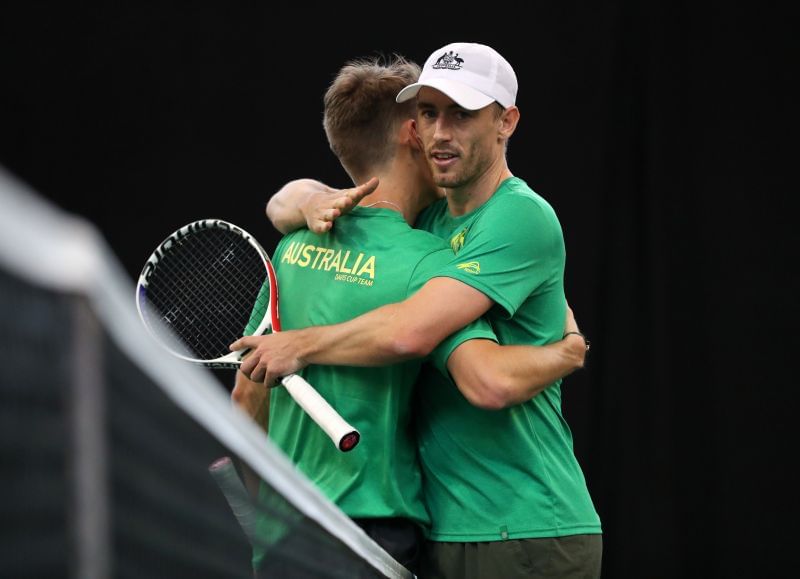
x,y
512,473
370,258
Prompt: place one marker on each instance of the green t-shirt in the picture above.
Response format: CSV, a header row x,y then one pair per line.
x,y
512,473
372,257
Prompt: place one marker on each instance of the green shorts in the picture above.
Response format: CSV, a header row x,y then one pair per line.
x,y
572,557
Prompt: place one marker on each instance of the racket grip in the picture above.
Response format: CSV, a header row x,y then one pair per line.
x,y
344,436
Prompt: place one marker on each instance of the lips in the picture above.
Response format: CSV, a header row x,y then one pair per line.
x,y
443,159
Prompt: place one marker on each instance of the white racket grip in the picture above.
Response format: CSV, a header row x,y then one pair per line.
x,y
343,435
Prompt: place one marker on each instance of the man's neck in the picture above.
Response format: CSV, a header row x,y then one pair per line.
x,y
398,194
463,200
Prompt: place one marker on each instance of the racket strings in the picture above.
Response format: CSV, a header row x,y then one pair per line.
x,y
206,287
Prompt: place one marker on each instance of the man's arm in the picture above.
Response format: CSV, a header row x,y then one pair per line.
x,y
386,335
310,203
492,376
253,399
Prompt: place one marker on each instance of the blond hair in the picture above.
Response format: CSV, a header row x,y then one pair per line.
x,y
361,116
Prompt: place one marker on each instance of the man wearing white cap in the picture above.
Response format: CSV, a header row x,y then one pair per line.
x,y
506,494
503,488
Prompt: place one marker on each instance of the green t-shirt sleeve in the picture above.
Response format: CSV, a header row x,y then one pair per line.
x,y
427,268
479,329
511,250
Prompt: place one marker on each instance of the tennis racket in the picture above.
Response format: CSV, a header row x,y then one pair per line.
x,y
210,283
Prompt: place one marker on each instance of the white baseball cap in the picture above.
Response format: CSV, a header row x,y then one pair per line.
x,y
473,75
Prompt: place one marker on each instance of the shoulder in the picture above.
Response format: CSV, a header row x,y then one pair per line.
x,y
423,243
517,193
390,231
432,212
515,203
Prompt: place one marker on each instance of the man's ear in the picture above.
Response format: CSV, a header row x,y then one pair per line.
x,y
508,121
409,134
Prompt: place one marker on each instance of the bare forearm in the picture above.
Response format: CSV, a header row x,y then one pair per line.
x,y
377,338
312,204
400,331
390,334
253,399
284,208
493,376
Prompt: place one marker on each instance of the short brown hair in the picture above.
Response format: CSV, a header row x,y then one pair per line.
x,y
361,115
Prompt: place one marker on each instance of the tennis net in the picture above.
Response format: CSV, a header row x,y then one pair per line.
x,y
119,460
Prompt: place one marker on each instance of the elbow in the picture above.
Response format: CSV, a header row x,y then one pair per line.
x,y
274,216
270,210
241,396
407,345
489,393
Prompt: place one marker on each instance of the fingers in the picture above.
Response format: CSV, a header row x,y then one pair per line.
x,y
326,212
349,198
321,225
261,374
243,343
248,362
324,221
271,379
256,370
248,365
254,364
323,210
358,193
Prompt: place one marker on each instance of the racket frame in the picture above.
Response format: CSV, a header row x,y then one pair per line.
x,y
344,436
271,319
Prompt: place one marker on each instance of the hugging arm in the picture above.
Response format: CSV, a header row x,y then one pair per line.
x,y
489,375
386,335
310,203
492,376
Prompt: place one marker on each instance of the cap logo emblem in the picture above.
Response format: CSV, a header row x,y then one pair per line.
x,y
449,60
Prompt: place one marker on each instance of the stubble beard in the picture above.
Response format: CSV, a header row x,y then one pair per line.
x,y
450,179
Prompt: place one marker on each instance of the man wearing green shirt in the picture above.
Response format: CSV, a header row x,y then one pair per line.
x,y
506,494
371,258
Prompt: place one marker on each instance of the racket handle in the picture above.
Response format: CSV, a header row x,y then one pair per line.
x,y
344,436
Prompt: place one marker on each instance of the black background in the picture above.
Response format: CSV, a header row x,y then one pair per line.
x,y
663,136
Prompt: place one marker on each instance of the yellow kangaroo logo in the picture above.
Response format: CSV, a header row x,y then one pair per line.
x,y
457,241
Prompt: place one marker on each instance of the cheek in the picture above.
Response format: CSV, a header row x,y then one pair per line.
x,y
424,131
